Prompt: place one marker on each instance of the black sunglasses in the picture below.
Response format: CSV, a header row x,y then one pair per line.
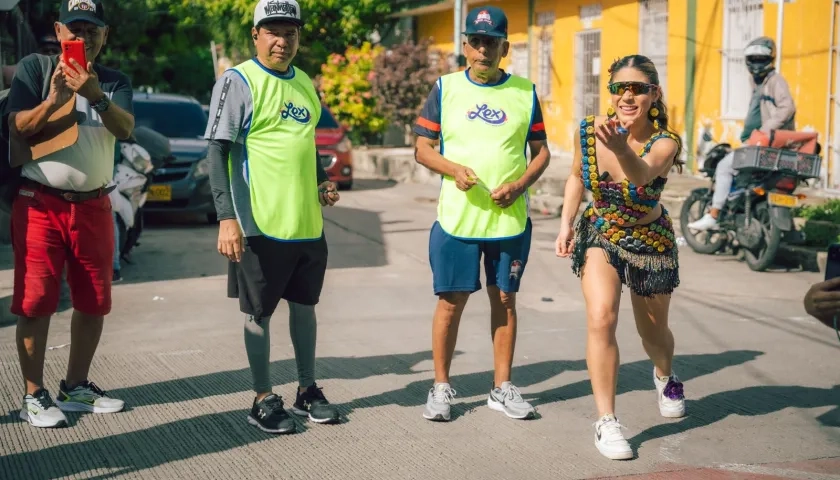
x,y
636,88
476,41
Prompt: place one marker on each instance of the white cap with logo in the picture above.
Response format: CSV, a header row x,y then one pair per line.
x,y
277,10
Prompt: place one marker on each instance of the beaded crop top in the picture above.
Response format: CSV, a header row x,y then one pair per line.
x,y
621,203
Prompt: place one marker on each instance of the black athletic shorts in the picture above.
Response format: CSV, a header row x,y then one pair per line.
x,y
270,270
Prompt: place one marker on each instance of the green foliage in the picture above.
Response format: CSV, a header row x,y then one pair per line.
x,y
403,77
330,27
345,87
165,44
829,211
162,44
822,226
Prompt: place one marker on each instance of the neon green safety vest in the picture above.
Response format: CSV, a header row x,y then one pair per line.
x,y
484,128
280,154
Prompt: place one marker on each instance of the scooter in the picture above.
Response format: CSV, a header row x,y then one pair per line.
x,y
132,177
140,155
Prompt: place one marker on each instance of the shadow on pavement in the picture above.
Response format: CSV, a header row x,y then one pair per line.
x,y
282,372
175,247
140,449
632,377
361,184
186,438
217,432
751,402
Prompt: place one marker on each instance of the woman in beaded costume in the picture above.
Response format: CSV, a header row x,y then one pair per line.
x,y
625,237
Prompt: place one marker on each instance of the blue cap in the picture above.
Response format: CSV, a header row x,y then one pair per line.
x,y
490,21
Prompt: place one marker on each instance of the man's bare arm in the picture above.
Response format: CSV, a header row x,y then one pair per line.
x,y
119,122
27,123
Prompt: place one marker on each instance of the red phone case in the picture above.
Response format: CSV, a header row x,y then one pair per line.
x,y
74,49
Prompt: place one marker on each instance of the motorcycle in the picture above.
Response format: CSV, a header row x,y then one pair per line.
x,y
758,214
140,155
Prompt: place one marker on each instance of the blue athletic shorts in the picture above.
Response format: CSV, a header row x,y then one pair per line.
x,y
456,262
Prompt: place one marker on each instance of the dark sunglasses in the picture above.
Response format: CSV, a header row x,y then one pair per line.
x,y
636,88
477,41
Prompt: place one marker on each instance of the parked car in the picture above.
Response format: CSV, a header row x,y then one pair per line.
x,y
334,150
181,185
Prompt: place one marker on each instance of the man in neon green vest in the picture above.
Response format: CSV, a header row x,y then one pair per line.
x,y
268,189
483,119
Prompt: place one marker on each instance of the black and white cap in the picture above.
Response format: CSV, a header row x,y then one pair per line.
x,y
277,10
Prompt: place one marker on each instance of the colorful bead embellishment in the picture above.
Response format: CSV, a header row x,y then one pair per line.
x,y
623,204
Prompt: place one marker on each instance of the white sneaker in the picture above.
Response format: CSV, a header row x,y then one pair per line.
x,y
707,222
610,441
40,411
669,395
87,397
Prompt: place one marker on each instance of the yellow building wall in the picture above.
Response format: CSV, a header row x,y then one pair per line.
x,y
805,57
805,64
440,26
618,24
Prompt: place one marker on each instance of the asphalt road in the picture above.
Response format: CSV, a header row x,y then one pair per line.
x,y
761,377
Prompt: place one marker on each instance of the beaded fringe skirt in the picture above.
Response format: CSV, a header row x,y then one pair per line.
x,y
645,271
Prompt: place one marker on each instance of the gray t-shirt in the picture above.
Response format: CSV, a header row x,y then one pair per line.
x,y
231,109
89,163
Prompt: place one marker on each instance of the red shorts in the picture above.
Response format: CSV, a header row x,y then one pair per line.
x,y
49,232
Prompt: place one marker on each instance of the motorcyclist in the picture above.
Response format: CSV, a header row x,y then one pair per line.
x,y
771,108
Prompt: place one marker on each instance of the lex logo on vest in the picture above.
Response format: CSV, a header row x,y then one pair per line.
x,y
488,115
298,114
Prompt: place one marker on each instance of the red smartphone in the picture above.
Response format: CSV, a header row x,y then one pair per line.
x,y
74,49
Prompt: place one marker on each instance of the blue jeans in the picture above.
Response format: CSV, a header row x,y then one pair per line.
x,y
116,244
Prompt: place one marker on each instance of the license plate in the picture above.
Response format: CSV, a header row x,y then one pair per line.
x,y
782,200
159,193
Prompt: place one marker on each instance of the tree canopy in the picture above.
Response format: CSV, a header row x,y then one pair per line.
x,y
165,44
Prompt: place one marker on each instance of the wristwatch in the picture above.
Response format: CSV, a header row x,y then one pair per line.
x,y
102,104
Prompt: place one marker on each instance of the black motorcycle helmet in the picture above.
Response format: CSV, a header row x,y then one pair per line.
x,y
760,55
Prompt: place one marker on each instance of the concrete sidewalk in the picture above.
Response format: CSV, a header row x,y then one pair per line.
x,y
760,375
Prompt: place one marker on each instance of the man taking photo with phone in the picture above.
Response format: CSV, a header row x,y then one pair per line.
x,y
268,194
62,214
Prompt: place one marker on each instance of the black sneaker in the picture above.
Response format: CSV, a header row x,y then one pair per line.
x,y
313,404
117,277
269,415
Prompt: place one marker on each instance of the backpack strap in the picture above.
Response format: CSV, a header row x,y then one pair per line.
x,y
46,69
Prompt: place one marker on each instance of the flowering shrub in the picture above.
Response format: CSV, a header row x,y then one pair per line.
x,y
403,77
345,87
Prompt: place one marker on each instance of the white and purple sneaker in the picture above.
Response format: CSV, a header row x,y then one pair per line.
x,y
669,395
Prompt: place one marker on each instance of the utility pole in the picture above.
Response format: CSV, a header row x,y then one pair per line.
x,y
780,21
459,9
